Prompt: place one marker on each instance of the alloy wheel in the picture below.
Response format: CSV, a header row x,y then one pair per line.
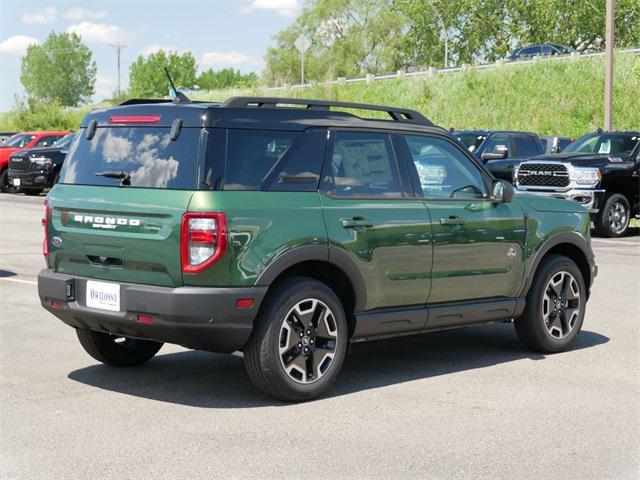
x,y
561,304
617,217
308,340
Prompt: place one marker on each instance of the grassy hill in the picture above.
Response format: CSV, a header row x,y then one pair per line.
x,y
548,97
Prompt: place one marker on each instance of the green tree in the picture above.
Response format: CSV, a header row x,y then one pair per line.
x,y
147,77
61,69
225,78
348,38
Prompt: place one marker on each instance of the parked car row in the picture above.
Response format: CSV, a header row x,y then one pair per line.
x,y
31,161
600,170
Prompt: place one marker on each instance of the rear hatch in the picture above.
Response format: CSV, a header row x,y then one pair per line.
x,y
116,213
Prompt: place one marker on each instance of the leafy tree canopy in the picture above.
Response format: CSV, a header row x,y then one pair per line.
x,y
147,77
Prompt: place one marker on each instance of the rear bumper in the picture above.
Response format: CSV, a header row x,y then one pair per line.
x,y
195,317
589,198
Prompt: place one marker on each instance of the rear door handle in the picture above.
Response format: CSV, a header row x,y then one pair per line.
x,y
356,222
452,220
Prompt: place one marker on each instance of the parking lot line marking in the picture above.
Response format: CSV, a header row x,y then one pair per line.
x,y
17,280
616,242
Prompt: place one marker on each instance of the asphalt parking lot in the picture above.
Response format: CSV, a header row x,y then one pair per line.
x,y
470,403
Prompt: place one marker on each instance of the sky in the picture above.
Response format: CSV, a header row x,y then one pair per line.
x,y
219,33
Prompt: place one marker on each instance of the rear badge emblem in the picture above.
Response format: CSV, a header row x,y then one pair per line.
x,y
511,252
57,241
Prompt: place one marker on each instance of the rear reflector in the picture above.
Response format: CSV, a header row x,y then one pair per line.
x,y
134,119
45,224
244,303
56,305
203,240
145,319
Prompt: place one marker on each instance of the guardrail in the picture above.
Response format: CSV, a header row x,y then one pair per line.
x,y
431,71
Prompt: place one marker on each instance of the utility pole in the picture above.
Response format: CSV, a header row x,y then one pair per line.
x,y
608,66
118,47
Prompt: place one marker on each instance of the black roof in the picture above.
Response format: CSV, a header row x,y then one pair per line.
x,y
264,113
491,132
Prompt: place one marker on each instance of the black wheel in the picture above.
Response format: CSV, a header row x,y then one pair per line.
x,y
117,351
555,306
5,186
299,341
32,192
614,216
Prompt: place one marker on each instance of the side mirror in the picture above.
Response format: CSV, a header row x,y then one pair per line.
x,y
502,191
493,156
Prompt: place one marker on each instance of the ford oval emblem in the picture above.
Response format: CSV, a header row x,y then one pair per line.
x,y
57,241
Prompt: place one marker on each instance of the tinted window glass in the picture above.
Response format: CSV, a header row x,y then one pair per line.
x,y
497,144
146,154
471,141
18,141
65,141
363,164
301,165
526,146
443,170
252,156
47,141
608,143
563,143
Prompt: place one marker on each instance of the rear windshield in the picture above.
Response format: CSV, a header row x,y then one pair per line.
x,y
134,157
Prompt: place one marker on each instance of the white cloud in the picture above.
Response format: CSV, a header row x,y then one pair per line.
x,y
17,44
105,81
100,32
285,8
148,50
42,17
78,13
226,58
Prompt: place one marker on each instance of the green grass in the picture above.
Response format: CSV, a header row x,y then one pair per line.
x,y
549,97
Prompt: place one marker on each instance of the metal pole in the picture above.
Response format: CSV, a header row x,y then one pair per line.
x,y
118,47
302,68
608,67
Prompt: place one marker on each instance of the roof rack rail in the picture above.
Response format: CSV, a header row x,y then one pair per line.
x,y
142,101
397,114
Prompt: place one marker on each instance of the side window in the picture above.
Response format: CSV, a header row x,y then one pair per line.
x,y
498,143
252,155
443,170
301,165
45,141
526,146
362,164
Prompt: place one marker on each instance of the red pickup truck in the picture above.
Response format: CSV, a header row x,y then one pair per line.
x,y
20,141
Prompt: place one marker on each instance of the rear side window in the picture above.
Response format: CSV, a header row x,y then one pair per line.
x,y
362,164
252,155
141,156
526,146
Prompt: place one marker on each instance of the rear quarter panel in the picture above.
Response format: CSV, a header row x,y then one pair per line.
x,y
262,227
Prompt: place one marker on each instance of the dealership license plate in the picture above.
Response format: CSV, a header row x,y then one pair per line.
x,y
16,182
105,296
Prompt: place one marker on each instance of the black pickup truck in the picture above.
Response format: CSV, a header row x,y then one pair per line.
x,y
600,170
500,150
35,169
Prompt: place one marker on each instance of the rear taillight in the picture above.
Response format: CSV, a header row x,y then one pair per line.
x,y
203,240
45,224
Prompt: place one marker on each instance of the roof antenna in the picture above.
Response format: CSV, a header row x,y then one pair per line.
x,y
179,96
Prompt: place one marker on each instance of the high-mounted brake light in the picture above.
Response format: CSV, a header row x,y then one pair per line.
x,y
203,240
134,119
45,224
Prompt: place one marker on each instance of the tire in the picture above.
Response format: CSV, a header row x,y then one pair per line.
x,y
32,192
541,326
5,186
275,356
613,218
117,351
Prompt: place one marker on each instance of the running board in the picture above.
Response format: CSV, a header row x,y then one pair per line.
x,y
390,322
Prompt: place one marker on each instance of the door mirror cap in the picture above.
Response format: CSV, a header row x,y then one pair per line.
x,y
502,191
493,156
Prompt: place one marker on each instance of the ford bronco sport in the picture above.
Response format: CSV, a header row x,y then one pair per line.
x,y
288,229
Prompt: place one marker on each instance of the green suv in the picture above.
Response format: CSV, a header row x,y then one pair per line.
x,y
289,229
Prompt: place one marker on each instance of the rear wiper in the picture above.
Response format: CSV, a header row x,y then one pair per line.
x,y
123,176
